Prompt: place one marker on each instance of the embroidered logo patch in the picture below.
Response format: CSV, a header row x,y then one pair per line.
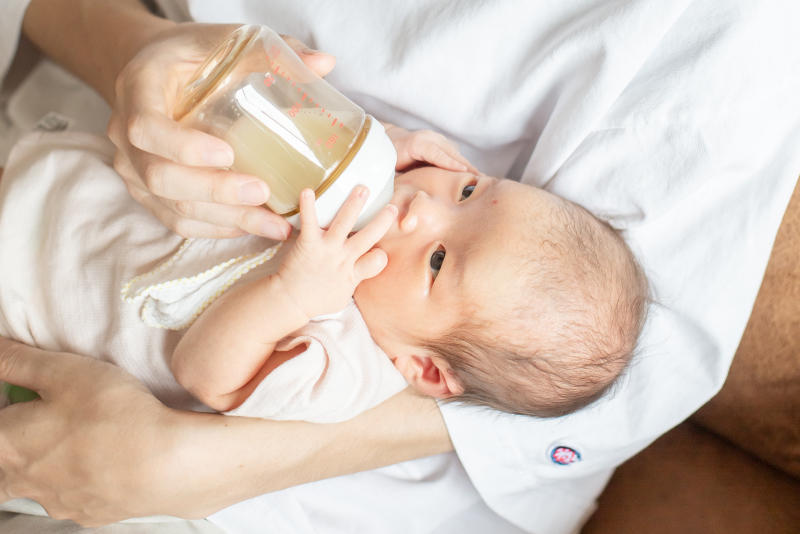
x,y
563,455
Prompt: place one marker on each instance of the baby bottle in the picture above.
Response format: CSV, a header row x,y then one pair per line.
x,y
288,126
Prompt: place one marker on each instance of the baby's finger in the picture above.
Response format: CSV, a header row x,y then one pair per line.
x,y
347,215
365,239
370,264
309,225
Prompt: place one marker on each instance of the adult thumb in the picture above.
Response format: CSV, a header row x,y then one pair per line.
x,y
319,62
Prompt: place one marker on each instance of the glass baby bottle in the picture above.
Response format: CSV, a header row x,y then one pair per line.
x,y
288,126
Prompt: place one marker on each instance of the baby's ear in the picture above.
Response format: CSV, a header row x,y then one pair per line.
x,y
432,376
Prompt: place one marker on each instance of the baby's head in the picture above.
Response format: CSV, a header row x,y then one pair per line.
x,y
501,294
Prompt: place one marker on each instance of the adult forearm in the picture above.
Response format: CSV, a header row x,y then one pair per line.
x,y
236,458
94,39
99,447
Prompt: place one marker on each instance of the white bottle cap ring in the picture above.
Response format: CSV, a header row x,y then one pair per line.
x,y
372,166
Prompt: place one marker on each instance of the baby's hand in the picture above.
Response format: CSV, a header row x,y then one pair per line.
x,y
426,146
324,267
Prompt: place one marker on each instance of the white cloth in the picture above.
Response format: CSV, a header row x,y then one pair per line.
x,y
71,236
676,121
11,13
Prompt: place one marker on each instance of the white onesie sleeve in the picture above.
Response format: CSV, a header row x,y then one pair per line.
x,y
341,374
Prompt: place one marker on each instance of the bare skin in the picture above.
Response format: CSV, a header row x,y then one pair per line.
x,y
758,408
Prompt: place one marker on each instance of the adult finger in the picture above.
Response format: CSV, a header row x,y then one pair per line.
x,y
156,133
26,366
165,212
167,179
319,62
436,149
255,220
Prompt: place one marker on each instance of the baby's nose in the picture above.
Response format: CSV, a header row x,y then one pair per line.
x,y
418,207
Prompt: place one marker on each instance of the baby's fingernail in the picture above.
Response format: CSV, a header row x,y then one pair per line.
x,y
218,157
393,209
253,192
310,51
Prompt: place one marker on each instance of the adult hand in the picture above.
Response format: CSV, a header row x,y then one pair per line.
x,y
179,173
84,449
98,447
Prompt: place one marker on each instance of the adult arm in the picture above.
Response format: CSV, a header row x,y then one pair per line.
x,y
98,447
138,62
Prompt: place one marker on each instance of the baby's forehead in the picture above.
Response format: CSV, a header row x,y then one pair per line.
x,y
513,228
512,208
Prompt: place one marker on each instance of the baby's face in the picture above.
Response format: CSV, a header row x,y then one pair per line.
x,y
451,247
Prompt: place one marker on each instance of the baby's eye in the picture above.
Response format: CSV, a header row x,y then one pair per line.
x,y
437,258
467,191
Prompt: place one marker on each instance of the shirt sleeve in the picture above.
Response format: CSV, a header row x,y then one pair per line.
x,y
11,14
695,163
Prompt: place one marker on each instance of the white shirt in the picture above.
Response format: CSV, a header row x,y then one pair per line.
x,y
677,122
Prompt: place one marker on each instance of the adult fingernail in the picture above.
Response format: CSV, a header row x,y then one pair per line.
x,y
274,230
218,157
253,192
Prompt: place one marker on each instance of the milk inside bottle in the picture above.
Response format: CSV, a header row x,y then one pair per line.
x,y
288,126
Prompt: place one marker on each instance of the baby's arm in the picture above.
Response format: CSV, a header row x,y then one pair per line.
x,y
230,348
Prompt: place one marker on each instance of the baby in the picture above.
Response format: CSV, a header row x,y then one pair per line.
x,y
478,289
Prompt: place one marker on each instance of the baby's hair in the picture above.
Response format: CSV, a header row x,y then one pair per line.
x,y
579,308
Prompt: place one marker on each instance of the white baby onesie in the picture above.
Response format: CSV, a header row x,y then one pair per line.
x,y
72,238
